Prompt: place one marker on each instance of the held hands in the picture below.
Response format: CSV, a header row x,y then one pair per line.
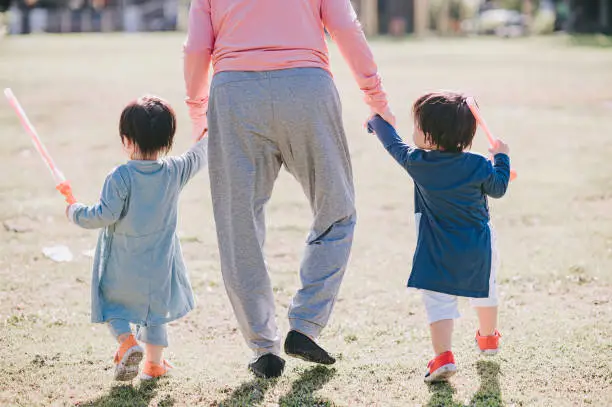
x,y
499,148
197,132
201,135
387,116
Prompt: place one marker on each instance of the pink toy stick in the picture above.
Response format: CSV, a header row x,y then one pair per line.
x,y
480,120
61,184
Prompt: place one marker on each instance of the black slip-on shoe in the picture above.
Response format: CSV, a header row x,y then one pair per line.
x,y
267,366
300,346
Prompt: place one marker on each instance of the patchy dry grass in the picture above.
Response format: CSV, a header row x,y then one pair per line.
x,y
552,103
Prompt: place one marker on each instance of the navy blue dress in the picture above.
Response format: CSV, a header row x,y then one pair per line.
x,y
453,252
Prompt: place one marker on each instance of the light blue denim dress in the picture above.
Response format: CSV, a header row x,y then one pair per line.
x,y
138,271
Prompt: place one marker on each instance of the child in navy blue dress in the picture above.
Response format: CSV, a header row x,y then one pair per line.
x,y
455,254
139,276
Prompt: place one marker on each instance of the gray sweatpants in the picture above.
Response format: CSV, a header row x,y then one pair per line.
x,y
257,122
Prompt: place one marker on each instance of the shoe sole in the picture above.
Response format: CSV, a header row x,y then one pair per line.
x,y
306,358
487,352
441,374
258,374
127,369
145,377
263,376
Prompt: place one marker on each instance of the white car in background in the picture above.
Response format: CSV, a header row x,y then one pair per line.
x,y
500,22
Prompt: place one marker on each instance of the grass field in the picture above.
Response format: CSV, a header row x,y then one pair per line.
x,y
551,102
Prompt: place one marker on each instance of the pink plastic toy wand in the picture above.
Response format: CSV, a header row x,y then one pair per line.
x,y
492,140
61,184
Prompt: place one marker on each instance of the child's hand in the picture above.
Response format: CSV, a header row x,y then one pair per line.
x,y
499,148
368,126
386,116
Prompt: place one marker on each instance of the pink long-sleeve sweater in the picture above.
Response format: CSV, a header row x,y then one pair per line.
x,y
264,35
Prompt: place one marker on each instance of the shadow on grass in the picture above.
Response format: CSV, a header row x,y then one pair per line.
x,y
248,394
442,395
303,389
488,394
131,396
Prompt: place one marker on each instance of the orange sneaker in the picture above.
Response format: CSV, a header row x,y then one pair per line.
x,y
127,359
441,367
153,370
488,345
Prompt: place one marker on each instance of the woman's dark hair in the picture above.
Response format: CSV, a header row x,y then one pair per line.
x,y
446,120
149,123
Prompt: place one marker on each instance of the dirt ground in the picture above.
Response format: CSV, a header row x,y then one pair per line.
x,y
550,101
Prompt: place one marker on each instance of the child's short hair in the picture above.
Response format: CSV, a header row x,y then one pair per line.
x,y
150,123
446,120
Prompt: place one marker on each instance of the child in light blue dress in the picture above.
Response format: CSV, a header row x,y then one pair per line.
x,y
139,276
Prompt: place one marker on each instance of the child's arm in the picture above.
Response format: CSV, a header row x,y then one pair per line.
x,y
192,161
392,142
496,184
108,210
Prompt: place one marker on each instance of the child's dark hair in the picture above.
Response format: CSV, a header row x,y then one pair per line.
x,y
446,120
150,123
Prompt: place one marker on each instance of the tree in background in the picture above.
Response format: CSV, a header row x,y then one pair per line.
x,y
518,5
4,6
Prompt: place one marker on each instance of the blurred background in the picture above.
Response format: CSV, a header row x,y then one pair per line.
x,y
505,18
542,73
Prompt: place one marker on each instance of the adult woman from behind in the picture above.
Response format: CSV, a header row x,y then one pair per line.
x,y
272,102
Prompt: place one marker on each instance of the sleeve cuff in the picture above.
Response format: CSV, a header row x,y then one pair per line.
x,y
501,156
71,210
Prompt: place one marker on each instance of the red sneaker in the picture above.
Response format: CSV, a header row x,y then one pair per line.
x,y
441,367
488,345
127,359
153,370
